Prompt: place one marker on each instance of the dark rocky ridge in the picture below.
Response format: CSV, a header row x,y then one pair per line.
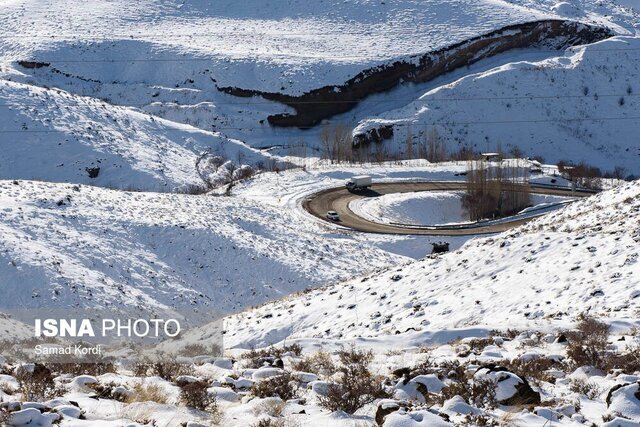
x,y
319,104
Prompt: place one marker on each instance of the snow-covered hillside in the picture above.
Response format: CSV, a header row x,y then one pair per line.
x,y
168,58
67,245
258,45
583,258
289,45
51,135
582,106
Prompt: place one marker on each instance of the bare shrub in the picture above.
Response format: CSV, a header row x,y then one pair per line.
x,y
463,154
534,369
243,172
516,152
37,384
356,387
483,393
197,349
319,363
195,395
451,369
628,361
258,358
477,392
509,333
164,367
148,393
269,422
587,388
477,345
336,142
272,407
583,174
193,189
102,391
93,369
588,343
455,389
436,149
283,386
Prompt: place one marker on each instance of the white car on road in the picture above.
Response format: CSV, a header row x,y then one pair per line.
x,y
333,216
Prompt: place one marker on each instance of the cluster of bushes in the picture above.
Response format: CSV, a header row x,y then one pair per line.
x,y
195,395
164,367
588,345
494,191
356,386
589,176
270,356
352,383
216,171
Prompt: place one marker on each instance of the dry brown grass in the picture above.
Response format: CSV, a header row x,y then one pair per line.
x,y
148,393
272,407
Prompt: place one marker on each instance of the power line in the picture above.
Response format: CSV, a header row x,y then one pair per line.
x,y
274,54
98,102
217,129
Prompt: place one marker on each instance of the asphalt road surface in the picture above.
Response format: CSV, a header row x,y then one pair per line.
x,y
338,199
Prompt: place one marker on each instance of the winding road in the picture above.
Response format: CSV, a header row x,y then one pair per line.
x,y
338,199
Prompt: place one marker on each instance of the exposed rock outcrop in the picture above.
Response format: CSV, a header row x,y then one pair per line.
x,y
316,105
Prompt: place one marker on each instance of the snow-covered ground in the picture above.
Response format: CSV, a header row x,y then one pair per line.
x,y
167,57
66,244
287,46
131,88
427,208
581,106
582,258
69,244
52,135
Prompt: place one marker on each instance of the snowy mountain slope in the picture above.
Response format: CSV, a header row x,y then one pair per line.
x,y
583,258
252,44
168,57
66,245
51,135
581,106
258,45
611,13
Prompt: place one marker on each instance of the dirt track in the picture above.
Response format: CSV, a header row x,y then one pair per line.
x,y
337,199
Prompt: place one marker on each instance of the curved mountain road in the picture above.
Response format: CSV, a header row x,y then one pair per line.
x,y
338,199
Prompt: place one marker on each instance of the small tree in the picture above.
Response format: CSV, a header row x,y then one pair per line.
x,y
409,144
494,191
436,149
